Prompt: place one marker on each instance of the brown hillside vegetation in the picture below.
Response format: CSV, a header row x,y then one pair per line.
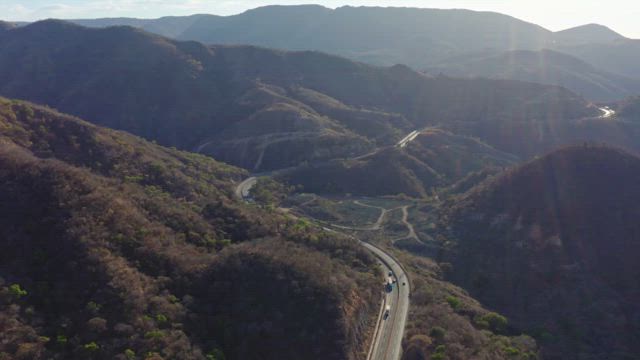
x,y
553,245
435,158
446,323
265,109
113,248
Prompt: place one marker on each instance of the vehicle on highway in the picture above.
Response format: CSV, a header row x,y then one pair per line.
x,y
389,285
387,310
390,273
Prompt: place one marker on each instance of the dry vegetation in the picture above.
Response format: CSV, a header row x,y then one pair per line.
x,y
115,248
553,244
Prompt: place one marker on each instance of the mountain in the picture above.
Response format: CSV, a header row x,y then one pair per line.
x,y
590,33
620,56
553,245
420,38
112,247
170,26
265,109
345,31
350,31
545,67
435,158
4,26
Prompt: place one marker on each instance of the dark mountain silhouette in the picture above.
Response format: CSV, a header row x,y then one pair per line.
x,y
553,245
112,247
6,26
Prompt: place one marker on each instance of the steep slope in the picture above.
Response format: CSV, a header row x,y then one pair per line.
x,y
433,159
112,247
553,245
545,67
263,109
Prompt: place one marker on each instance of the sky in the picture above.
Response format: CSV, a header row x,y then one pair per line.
x,y
620,15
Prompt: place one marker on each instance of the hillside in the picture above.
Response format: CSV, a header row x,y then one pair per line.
x,y
112,247
545,67
264,109
420,38
553,245
619,57
5,26
434,159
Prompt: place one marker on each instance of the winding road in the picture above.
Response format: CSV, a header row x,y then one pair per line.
x,y
607,112
243,189
389,330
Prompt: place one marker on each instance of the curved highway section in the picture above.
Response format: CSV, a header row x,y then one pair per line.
x,y
387,342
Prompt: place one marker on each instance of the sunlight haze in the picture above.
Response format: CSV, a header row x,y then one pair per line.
x,y
620,15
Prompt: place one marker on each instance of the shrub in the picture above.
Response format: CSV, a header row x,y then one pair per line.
x,y
454,302
161,319
511,351
92,346
130,354
437,333
154,334
492,321
215,354
93,307
16,291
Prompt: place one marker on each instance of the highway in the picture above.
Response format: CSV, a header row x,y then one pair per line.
x,y
607,112
387,342
243,189
407,139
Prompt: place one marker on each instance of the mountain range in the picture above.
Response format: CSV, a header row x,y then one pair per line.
x,y
265,109
122,235
424,39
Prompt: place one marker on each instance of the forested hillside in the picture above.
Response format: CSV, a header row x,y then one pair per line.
x,y
112,247
553,245
265,109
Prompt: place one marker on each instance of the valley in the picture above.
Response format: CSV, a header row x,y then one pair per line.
x,y
282,184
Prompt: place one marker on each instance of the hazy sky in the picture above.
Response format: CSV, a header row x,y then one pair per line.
x,y
620,15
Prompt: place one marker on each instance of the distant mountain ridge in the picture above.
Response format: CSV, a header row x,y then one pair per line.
x,y
545,67
590,33
420,38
